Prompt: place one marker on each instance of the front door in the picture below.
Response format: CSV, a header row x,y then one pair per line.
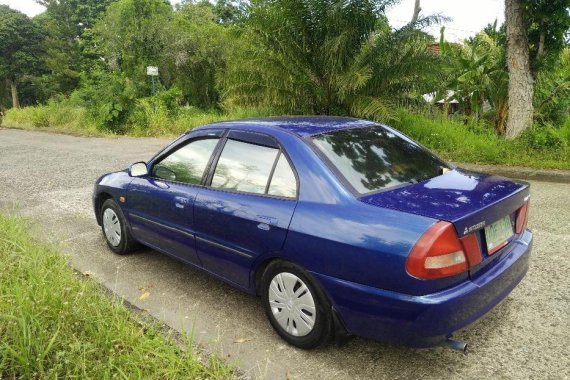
x,y
247,208
160,204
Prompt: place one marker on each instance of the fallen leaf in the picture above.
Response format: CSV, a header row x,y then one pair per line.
x,y
288,375
242,340
88,273
144,296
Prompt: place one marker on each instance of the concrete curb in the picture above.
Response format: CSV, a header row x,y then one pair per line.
x,y
546,175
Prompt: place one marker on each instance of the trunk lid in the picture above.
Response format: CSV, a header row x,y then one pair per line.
x,y
469,200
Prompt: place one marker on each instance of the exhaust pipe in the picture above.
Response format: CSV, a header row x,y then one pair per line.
x,y
455,345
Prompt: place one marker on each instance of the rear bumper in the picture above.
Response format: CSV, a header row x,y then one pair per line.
x,y
424,321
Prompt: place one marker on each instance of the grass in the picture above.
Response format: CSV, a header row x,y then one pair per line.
x,y
54,118
145,120
55,323
540,148
157,122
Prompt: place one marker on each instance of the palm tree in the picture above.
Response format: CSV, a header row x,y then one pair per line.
x,y
328,57
477,74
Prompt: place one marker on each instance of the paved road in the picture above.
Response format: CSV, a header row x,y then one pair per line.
x,y
50,178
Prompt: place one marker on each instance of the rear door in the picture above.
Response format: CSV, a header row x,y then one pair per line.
x,y
160,204
247,207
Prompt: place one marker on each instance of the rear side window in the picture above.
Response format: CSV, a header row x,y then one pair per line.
x,y
188,163
253,168
244,167
374,158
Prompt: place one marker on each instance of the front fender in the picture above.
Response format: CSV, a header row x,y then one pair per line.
x,y
111,185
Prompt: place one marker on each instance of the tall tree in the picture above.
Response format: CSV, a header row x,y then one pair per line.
x,y
518,63
417,10
327,56
19,49
230,12
197,42
548,25
69,45
552,92
132,35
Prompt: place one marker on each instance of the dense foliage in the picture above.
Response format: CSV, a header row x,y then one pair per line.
x,y
270,57
327,57
20,50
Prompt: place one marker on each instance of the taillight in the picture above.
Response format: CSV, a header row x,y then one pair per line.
x,y
440,253
522,218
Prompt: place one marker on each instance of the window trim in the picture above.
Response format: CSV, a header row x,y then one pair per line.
x,y
270,178
243,138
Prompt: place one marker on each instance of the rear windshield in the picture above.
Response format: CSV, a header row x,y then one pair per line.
x,y
374,158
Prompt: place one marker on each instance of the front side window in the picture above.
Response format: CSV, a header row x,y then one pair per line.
x,y
188,163
374,158
244,167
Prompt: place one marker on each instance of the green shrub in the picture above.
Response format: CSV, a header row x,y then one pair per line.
x,y
109,99
565,132
153,117
54,116
545,138
475,143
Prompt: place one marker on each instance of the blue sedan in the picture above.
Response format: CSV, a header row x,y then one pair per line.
x,y
342,226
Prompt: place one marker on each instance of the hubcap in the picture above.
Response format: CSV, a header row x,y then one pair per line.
x,y
112,227
292,304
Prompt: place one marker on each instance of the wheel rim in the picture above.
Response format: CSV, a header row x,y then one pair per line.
x,y
292,304
112,227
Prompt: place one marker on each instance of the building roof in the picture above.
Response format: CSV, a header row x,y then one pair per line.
x,y
300,125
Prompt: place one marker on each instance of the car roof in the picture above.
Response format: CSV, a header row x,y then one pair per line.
x,y
299,125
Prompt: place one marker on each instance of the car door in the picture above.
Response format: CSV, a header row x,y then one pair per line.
x,y
247,206
160,204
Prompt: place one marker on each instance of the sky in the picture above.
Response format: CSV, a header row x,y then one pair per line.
x,y
468,16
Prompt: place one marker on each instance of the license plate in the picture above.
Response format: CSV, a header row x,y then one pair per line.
x,y
498,234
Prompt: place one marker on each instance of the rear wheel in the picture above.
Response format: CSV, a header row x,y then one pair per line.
x,y
296,307
115,228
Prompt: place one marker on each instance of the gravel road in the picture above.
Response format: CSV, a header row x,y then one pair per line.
x,y
49,178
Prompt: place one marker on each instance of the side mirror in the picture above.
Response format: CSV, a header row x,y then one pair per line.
x,y
138,169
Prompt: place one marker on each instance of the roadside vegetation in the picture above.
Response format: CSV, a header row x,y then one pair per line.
x,y
55,323
80,68
451,137
537,147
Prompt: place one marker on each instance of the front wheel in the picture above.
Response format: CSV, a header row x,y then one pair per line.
x,y
296,307
115,228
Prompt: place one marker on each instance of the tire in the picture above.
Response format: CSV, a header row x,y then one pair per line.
x,y
115,229
288,294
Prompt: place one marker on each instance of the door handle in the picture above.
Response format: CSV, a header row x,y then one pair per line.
x,y
181,202
264,226
266,220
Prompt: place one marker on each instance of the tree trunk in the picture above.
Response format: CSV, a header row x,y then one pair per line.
x,y
541,39
14,89
417,10
501,117
520,78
